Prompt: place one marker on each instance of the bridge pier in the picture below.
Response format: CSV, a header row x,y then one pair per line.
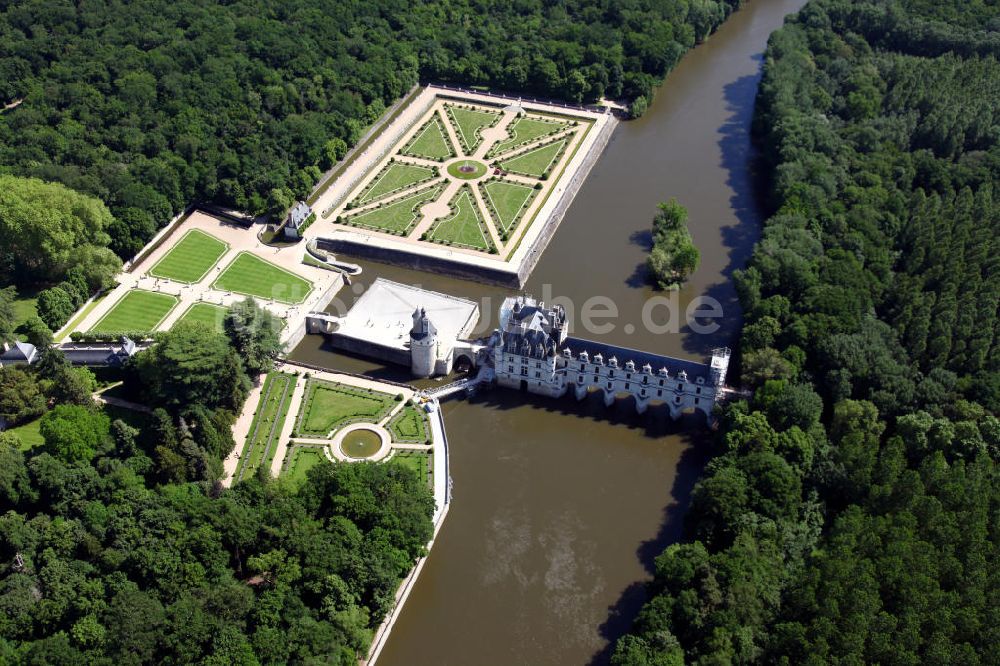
x,y
641,406
609,398
580,391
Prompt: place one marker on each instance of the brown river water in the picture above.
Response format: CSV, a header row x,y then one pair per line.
x,y
560,507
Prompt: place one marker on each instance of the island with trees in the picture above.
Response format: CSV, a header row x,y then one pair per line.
x,y
673,256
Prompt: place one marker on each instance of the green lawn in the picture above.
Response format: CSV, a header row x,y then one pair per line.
x,y
409,425
536,162
394,178
430,142
25,306
468,124
252,276
507,201
262,440
28,434
526,129
329,405
398,217
209,314
464,227
303,458
418,461
138,310
83,312
190,259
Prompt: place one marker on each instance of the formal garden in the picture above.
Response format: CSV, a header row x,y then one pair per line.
x,y
137,310
420,462
268,420
410,425
191,258
207,314
511,158
507,202
250,275
397,217
431,142
328,406
525,130
469,123
464,227
394,178
535,162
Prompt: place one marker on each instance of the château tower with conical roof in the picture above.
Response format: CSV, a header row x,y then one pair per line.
x,y
423,344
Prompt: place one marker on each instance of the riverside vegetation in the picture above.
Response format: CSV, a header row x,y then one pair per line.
x,y
852,512
118,544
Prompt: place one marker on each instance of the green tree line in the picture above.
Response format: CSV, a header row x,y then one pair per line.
x,y
118,544
852,514
152,106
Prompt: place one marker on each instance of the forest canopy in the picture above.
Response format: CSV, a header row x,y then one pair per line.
x,y
852,512
152,106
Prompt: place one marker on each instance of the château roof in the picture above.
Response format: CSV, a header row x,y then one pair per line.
x,y
674,366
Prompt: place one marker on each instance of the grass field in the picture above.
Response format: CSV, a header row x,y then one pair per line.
x,y
430,142
468,123
418,461
535,163
138,310
507,201
252,276
303,458
190,259
205,313
28,434
464,227
400,216
526,129
262,440
328,405
409,425
395,177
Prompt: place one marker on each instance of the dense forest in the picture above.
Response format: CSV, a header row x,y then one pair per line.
x,y
118,544
151,106
852,514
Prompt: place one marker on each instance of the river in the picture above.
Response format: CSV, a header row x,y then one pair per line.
x,y
560,507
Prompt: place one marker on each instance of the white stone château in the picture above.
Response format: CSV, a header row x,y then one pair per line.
x,y
532,351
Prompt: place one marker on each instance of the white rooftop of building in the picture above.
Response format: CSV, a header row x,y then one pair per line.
x,y
384,315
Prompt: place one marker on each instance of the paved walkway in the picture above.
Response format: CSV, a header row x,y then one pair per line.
x,y
288,427
240,431
99,397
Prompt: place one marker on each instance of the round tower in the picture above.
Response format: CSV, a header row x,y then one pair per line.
x,y
423,345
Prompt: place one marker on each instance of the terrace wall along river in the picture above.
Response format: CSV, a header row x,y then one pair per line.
x,y
560,507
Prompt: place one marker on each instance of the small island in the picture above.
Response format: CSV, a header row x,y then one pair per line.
x,y
673,257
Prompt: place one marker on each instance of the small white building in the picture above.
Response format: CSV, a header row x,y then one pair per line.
x,y
298,218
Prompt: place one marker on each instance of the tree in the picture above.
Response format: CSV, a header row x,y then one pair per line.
x,y
55,307
20,397
8,316
191,364
73,432
255,333
73,386
36,332
674,256
44,226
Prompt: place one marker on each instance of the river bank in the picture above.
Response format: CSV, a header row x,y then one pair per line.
x,y
561,507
